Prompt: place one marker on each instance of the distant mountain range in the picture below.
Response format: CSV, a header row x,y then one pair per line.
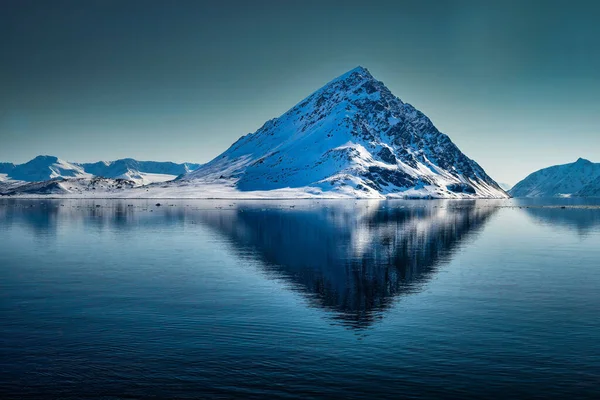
x,y
578,179
45,168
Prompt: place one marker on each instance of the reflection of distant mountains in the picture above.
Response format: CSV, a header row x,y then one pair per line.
x,y
351,259
581,220
44,216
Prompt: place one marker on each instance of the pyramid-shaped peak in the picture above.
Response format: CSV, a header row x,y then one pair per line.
x,y
45,159
352,135
354,84
357,72
582,161
360,69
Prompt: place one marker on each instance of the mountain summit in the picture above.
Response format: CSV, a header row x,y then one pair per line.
x,y
352,137
43,168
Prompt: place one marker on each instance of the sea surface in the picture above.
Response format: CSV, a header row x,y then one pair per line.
x,y
299,299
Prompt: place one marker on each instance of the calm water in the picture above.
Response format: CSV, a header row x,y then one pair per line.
x,y
306,299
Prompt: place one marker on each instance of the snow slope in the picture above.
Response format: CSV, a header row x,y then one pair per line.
x,y
353,138
581,178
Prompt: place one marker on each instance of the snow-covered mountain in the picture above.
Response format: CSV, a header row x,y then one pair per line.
x,y
581,178
351,138
45,168
354,138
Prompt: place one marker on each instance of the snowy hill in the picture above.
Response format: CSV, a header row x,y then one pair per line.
x,y
45,168
581,178
353,138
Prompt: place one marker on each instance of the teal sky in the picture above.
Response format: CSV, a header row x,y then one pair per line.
x,y
515,84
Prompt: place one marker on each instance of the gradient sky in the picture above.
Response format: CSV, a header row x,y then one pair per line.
x,y
515,84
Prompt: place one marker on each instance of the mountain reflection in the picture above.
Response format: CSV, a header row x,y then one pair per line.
x,y
352,258
45,216
582,220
